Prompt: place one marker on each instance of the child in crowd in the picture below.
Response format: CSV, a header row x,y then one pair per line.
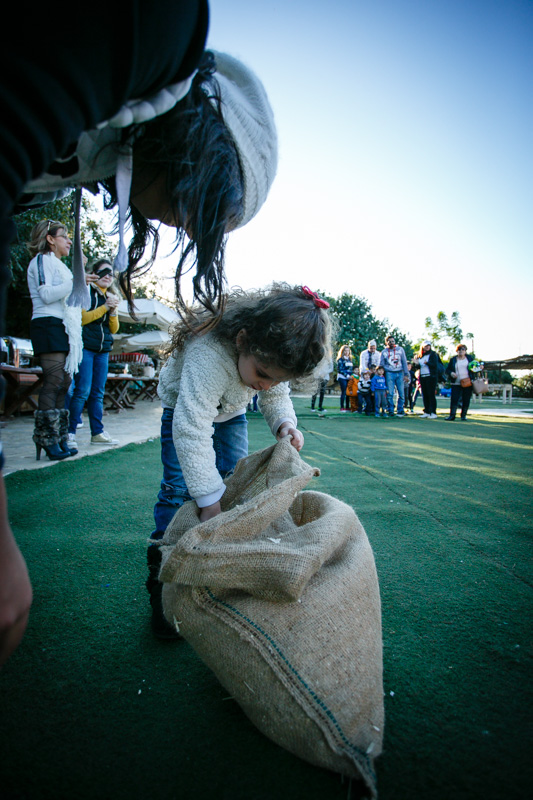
x,y
364,393
352,390
378,385
264,340
345,367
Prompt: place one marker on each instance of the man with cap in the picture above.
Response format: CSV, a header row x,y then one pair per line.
x,y
394,362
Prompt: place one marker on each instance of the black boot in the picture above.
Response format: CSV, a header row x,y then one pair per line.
x,y
63,433
46,435
160,627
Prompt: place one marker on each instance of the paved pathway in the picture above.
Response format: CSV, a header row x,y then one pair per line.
x,y
132,425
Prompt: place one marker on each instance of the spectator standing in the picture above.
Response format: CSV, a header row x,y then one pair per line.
x,y
364,393
394,363
428,360
410,389
352,390
320,394
55,333
370,358
100,322
378,384
462,382
344,373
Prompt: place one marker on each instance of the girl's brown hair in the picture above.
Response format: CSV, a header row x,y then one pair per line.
x,y
282,327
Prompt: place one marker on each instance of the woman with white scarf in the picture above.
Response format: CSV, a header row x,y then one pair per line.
x,y
55,333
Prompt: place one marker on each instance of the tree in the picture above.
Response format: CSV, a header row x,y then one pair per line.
x,y
524,386
357,324
95,244
444,334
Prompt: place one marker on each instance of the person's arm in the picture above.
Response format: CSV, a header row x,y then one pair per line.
x,y
15,586
93,314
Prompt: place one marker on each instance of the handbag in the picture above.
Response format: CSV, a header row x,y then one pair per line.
x,y
466,382
481,386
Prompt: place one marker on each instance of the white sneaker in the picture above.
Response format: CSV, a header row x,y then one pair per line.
x,y
433,416
72,440
103,438
80,424
425,415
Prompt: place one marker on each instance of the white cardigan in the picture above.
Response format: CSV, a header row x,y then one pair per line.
x,y
203,385
50,288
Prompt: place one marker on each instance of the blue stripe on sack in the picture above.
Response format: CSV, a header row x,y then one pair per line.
x,y
313,694
40,270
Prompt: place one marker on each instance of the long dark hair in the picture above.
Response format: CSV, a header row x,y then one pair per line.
x,y
192,146
283,328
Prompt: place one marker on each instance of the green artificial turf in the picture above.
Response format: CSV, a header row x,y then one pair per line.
x,y
92,706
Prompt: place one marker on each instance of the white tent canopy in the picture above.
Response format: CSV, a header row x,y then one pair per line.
x,y
150,312
142,341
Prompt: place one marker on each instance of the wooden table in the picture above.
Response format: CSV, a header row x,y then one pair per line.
x,y
21,383
116,391
148,388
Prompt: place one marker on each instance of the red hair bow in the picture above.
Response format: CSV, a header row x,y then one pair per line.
x,y
319,303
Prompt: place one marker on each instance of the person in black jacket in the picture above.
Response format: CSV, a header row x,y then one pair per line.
x,y
429,363
461,379
100,322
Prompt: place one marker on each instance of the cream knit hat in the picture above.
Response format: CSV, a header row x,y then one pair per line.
x,y
249,118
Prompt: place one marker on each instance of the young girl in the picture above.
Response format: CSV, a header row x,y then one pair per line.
x,y
344,373
263,340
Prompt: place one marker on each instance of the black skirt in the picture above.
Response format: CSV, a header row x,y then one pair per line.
x,y
48,335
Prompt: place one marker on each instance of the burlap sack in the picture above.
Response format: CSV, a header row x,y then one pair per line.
x,y
279,597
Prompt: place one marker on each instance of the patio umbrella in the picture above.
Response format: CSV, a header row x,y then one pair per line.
x,y
149,311
150,339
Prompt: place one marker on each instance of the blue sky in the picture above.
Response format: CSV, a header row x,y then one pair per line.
x,y
405,171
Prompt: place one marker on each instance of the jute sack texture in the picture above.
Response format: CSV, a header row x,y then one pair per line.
x,y
279,596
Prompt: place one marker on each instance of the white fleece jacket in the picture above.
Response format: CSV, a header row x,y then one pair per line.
x,y
202,384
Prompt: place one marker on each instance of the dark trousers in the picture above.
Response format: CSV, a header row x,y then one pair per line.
x,y
463,393
320,394
429,386
365,403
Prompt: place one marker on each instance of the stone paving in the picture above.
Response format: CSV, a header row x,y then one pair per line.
x,y
131,425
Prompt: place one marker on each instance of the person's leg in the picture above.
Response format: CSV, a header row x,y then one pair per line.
x,y
173,492
400,386
467,396
82,389
424,385
321,396
432,388
55,381
230,442
95,401
313,401
343,384
454,400
389,379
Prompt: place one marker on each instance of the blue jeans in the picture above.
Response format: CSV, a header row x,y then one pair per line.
x,y
89,385
230,443
395,379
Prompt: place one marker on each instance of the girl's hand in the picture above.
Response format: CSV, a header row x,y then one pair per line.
x,y
90,277
297,439
208,512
